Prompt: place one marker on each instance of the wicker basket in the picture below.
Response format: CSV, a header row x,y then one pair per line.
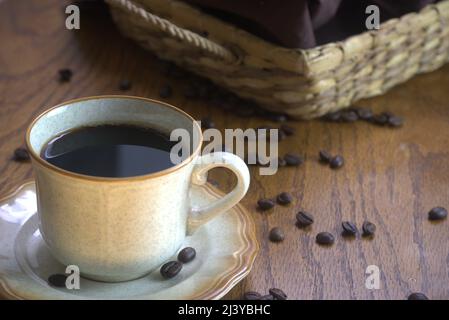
x,y
301,83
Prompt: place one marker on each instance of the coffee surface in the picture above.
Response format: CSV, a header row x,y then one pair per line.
x,y
110,151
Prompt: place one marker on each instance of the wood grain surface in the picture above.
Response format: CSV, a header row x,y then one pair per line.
x,y
392,177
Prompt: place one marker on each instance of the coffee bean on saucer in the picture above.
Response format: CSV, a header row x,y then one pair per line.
x,y
265,204
324,156
325,238
186,255
303,219
171,269
437,213
277,235
21,155
395,121
417,296
57,280
267,297
166,92
287,130
349,116
252,295
349,228
65,75
337,162
368,228
124,85
278,294
293,159
284,198
207,123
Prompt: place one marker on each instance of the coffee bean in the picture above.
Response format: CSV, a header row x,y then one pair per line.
x,y
287,130
125,85
336,162
267,297
417,296
57,280
333,117
207,123
277,235
379,119
368,228
437,213
276,117
349,228
170,269
325,238
349,116
65,75
293,159
186,255
166,91
325,157
284,198
278,294
21,155
364,113
282,162
395,121
265,204
304,219
252,295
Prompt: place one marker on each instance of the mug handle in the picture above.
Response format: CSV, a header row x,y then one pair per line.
x,y
201,215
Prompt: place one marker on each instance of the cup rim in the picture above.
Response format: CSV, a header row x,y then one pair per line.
x,y
156,174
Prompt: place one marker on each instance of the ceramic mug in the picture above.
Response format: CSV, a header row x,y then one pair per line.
x,y
118,229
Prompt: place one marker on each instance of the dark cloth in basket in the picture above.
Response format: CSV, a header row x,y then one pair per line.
x,y
304,23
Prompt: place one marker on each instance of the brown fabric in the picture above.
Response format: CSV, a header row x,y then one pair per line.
x,y
304,23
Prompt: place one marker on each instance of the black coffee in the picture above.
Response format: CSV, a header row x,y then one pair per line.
x,y
110,151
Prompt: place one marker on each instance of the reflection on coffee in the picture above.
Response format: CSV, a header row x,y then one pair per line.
x,y
110,151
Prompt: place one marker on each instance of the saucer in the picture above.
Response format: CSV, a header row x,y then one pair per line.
x,y
226,248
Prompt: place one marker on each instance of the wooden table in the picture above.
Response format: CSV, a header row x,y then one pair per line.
x,y
391,177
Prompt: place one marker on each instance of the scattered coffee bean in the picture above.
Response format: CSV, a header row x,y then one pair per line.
x,y
207,123
252,295
21,155
267,297
395,121
186,255
282,162
278,294
166,91
287,130
437,213
349,116
265,204
368,228
303,219
349,228
276,235
124,85
293,159
417,296
284,198
325,238
333,116
364,113
170,269
336,162
65,75
277,117
57,280
325,157
379,119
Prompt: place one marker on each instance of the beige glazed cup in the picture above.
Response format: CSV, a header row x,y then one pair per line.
x,y
118,229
